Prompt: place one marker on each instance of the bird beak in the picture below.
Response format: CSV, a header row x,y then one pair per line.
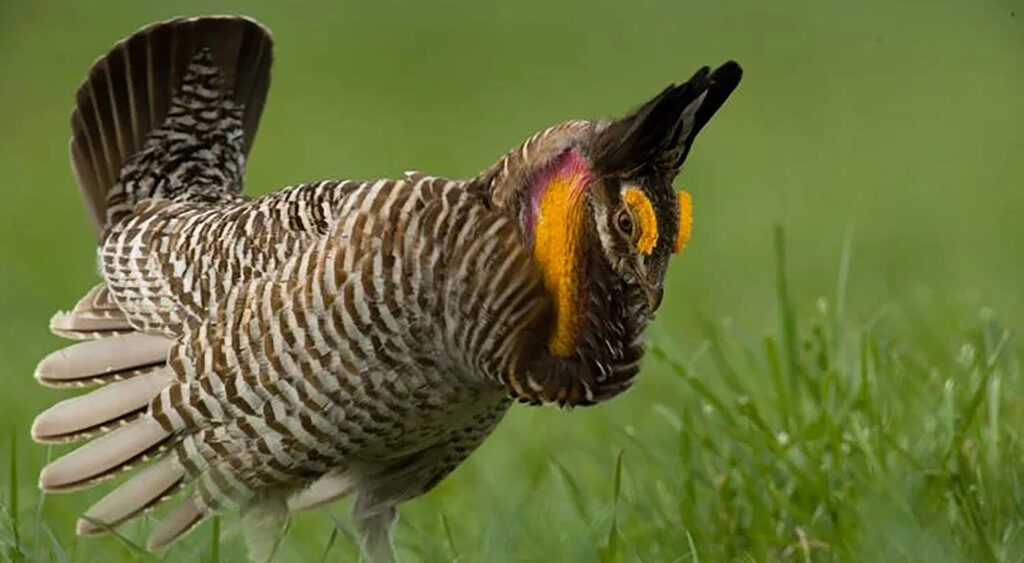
x,y
653,294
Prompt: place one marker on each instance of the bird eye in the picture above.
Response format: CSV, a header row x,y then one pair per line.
x,y
624,221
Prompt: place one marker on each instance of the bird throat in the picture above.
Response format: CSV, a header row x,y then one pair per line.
x,y
558,218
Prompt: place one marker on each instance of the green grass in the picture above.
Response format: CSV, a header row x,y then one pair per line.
x,y
894,439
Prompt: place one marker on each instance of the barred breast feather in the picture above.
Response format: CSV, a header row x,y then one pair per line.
x,y
365,348
377,348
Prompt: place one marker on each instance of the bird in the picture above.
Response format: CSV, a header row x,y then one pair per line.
x,y
340,338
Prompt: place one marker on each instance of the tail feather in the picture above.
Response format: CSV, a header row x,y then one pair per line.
x,y
128,92
95,316
324,490
104,457
143,491
100,410
104,360
177,100
252,80
178,523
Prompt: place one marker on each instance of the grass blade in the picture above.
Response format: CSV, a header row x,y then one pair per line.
x,y
279,540
787,314
782,390
132,546
56,549
330,542
971,410
449,536
609,551
844,275
215,539
16,553
576,495
340,529
694,554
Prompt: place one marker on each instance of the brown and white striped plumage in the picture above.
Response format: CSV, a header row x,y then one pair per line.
x,y
334,338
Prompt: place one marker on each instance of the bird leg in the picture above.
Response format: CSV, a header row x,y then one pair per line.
x,y
263,522
373,522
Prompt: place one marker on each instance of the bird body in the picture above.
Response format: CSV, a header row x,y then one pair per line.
x,y
272,354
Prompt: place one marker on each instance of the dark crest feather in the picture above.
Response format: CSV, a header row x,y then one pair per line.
x,y
659,134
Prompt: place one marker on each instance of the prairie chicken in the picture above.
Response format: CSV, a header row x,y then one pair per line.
x,y
273,354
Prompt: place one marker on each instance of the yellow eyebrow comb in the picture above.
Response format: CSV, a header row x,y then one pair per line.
x,y
648,221
685,221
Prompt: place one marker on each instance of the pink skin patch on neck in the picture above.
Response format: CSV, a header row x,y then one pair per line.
x,y
569,164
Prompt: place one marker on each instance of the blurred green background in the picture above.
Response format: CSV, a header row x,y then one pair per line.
x,y
899,123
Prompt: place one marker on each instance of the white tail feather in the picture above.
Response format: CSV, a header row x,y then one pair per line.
x,y
178,523
80,416
98,301
102,457
95,316
137,494
87,325
102,360
324,490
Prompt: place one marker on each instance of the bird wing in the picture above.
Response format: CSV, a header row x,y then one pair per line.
x,y
340,354
168,264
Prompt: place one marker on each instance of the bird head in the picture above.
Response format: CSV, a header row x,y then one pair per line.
x,y
596,201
